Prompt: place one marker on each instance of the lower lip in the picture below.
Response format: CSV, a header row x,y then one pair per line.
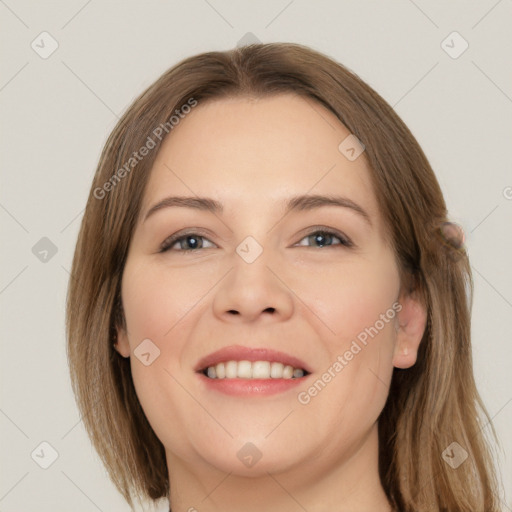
x,y
248,387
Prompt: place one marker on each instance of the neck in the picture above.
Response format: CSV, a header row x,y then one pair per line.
x,y
349,485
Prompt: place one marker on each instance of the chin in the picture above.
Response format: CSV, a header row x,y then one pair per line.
x,y
251,456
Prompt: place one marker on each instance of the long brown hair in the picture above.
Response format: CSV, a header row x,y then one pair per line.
x,y
430,406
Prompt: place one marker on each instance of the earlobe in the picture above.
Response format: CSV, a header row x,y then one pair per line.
x,y
121,343
412,321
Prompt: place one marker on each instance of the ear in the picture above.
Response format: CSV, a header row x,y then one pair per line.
x,y
121,344
411,322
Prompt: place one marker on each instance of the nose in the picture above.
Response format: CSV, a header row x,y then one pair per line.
x,y
253,290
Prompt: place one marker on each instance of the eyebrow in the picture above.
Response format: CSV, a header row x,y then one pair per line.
x,y
295,203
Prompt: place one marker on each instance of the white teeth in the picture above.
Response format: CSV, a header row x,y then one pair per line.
x,y
260,370
253,370
276,370
231,369
287,372
244,370
220,370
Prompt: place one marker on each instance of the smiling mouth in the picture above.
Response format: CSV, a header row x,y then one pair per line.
x,y
253,370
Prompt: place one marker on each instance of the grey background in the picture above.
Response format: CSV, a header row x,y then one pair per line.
x,y
56,115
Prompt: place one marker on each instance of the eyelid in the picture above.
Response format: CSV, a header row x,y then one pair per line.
x,y
332,231
172,239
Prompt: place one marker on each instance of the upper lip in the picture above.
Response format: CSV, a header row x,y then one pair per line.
x,y
241,353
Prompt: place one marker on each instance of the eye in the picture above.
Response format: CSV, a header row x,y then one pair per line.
x,y
324,237
188,242
192,241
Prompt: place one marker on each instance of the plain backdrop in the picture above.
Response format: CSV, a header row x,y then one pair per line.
x,y
57,110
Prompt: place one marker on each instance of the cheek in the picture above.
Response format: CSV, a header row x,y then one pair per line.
x,y
350,392
164,401
352,296
157,299
356,304
161,304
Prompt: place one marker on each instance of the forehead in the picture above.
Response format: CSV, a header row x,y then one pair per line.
x,y
240,150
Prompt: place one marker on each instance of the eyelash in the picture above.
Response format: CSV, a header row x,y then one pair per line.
x,y
169,242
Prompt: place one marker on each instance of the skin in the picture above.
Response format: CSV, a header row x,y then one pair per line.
x,y
252,155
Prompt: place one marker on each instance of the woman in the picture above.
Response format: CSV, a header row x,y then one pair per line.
x,y
269,308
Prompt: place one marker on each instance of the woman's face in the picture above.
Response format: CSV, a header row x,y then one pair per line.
x,y
260,273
